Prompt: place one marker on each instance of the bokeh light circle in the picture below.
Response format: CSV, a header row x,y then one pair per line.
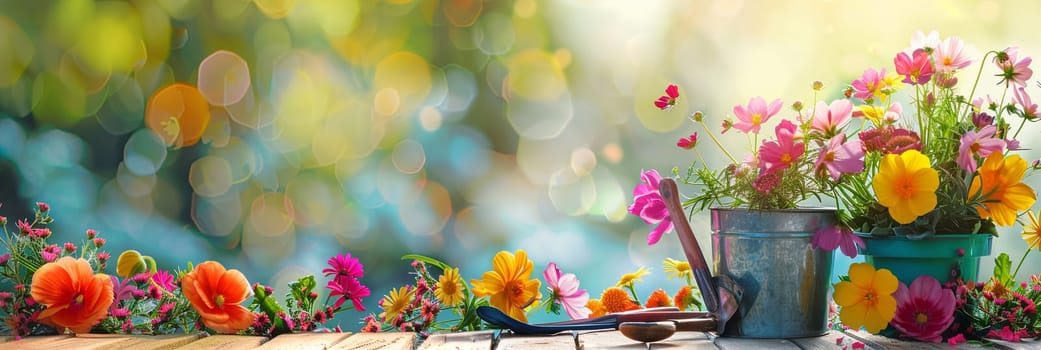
x,y
223,78
144,153
217,216
408,75
426,214
583,161
178,113
16,52
210,176
312,197
271,214
571,194
408,156
124,109
132,184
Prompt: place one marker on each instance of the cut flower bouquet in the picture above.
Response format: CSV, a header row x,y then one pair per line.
x,y
903,153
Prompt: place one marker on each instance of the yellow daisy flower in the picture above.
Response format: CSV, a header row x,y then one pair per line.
x,y
449,288
1032,233
906,184
395,302
509,284
676,268
630,278
1001,190
867,298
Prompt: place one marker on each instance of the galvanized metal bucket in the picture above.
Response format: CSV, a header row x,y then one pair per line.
x,y
770,254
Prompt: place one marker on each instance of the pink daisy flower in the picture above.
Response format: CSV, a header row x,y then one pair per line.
x,y
1022,99
566,292
841,237
916,68
829,119
924,310
780,154
649,206
841,157
751,117
980,144
344,265
348,287
870,84
1013,70
951,55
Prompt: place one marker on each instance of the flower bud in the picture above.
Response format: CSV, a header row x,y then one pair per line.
x,y
91,233
130,263
818,85
4,259
797,106
99,242
698,116
43,207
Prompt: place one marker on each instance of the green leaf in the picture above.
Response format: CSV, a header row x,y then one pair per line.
x,y
270,307
426,259
1003,269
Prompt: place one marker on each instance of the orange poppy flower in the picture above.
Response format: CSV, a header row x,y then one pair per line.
x,y
178,114
216,294
75,297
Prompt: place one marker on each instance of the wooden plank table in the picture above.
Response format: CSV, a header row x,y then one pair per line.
x,y
483,340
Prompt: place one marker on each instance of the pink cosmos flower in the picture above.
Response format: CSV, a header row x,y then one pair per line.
x,y
688,142
951,55
566,292
348,287
916,68
649,206
841,237
981,144
829,119
344,265
925,310
923,41
841,157
750,118
870,84
780,154
1023,100
672,94
1013,70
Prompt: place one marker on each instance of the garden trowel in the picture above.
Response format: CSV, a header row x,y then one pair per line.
x,y
721,293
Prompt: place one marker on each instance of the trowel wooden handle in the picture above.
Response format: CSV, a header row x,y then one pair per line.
x,y
702,275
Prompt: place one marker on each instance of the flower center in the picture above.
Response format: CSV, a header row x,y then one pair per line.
x,y
905,188
870,298
78,300
948,60
219,300
829,157
786,158
975,147
921,318
757,118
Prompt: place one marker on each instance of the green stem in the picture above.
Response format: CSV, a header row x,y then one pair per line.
x,y
979,73
632,290
716,141
1020,263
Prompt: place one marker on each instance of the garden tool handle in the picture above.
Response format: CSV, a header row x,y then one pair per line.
x,y
702,275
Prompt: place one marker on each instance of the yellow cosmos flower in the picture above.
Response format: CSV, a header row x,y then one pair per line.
x,y
630,278
1032,233
676,268
906,184
1002,194
867,298
395,302
449,288
509,284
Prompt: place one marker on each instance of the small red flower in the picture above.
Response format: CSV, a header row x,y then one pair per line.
x,y
672,94
688,142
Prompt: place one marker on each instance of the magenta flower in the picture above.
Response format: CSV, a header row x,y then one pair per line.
x,y
1013,70
916,68
50,253
951,55
1023,100
672,94
688,142
750,118
344,265
163,279
780,154
649,206
870,84
348,287
841,237
841,157
120,291
980,144
829,119
566,292
1007,334
925,310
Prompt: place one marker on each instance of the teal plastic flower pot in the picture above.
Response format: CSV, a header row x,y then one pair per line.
x,y
940,256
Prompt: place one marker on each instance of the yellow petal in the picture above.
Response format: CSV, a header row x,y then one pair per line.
x,y
885,282
862,275
854,315
847,294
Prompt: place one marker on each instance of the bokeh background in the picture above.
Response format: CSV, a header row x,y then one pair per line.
x,y
273,134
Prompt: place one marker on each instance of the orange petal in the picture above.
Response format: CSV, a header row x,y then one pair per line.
x,y
233,286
